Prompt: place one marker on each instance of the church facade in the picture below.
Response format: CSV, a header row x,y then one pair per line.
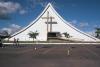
x,y
49,24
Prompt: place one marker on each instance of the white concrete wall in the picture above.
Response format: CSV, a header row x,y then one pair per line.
x,y
61,26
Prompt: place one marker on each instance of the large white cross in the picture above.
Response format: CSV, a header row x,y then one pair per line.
x,y
51,23
47,19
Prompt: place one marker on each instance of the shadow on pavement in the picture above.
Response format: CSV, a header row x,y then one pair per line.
x,y
47,47
98,47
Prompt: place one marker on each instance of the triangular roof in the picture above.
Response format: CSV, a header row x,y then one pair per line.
x,y
49,5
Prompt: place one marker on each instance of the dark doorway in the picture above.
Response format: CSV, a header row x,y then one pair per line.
x,y
52,34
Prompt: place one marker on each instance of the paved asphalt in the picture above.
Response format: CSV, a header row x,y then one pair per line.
x,y
49,55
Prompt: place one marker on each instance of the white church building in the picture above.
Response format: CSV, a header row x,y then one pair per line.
x,y
49,24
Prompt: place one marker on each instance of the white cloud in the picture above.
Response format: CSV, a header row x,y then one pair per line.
x,y
33,6
43,4
14,28
92,22
74,5
97,21
8,29
92,33
95,25
9,7
54,4
22,11
83,24
27,8
36,2
74,21
30,11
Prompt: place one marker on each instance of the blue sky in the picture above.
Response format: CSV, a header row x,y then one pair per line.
x,y
17,14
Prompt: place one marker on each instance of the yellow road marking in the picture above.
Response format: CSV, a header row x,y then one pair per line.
x,y
91,51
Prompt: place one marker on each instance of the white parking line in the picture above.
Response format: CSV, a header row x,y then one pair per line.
x,y
25,50
48,50
28,50
91,51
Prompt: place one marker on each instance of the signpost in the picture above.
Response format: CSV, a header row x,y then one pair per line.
x,y
68,50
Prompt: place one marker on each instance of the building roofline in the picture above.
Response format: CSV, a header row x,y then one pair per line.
x,y
50,5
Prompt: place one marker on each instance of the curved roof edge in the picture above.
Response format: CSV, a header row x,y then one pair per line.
x,y
32,21
71,25
59,17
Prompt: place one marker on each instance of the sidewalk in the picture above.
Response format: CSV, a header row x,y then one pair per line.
x,y
55,43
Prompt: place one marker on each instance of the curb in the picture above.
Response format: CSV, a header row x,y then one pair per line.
x,y
54,43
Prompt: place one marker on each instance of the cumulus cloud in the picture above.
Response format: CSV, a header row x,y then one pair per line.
x,y
27,8
92,22
43,4
95,25
22,11
7,29
36,2
8,7
97,21
33,6
74,5
54,4
83,24
74,21
30,11
92,33
13,28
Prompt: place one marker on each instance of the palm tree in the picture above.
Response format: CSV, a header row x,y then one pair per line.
x,y
32,34
98,32
66,34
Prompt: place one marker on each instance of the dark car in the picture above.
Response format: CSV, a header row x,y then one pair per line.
x,y
0,42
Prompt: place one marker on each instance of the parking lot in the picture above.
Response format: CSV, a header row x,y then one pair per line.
x,y
50,55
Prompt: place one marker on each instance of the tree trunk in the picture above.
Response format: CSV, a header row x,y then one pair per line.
x,y
97,35
33,40
8,39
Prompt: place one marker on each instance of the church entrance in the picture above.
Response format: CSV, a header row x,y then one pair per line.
x,y
52,34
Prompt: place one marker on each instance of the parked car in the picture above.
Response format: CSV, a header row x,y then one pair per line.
x,y
0,42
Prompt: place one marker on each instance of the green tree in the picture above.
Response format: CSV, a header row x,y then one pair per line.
x,y
66,34
4,35
5,32
97,32
32,34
